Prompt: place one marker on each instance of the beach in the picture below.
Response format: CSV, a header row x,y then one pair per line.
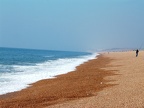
x,y
113,80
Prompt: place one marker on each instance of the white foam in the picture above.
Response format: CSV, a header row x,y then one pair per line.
x,y
24,75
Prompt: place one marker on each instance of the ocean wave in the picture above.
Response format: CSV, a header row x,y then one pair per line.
x,y
24,75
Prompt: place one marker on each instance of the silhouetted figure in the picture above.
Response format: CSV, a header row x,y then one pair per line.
x,y
137,51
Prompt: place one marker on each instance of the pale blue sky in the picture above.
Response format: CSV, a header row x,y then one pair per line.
x,y
74,25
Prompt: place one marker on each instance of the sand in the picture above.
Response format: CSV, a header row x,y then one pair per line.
x,y
128,91
114,80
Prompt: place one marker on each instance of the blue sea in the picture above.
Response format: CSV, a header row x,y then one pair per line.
x,y
21,67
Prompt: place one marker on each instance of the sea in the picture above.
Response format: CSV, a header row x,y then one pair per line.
x,y
21,67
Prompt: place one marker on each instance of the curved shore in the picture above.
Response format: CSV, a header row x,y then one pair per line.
x,y
86,81
113,80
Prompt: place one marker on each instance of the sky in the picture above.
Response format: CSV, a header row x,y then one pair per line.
x,y
72,25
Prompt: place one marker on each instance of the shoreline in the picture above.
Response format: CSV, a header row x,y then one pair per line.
x,y
113,80
74,85
44,70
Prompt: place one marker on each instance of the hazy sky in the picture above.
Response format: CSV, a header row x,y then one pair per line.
x,y
75,25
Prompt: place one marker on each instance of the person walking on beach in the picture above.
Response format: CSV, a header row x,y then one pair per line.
x,y
137,51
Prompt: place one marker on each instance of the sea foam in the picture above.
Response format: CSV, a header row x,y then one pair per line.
x,y
22,76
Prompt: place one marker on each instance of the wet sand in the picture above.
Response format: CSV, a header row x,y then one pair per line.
x,y
114,80
85,82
